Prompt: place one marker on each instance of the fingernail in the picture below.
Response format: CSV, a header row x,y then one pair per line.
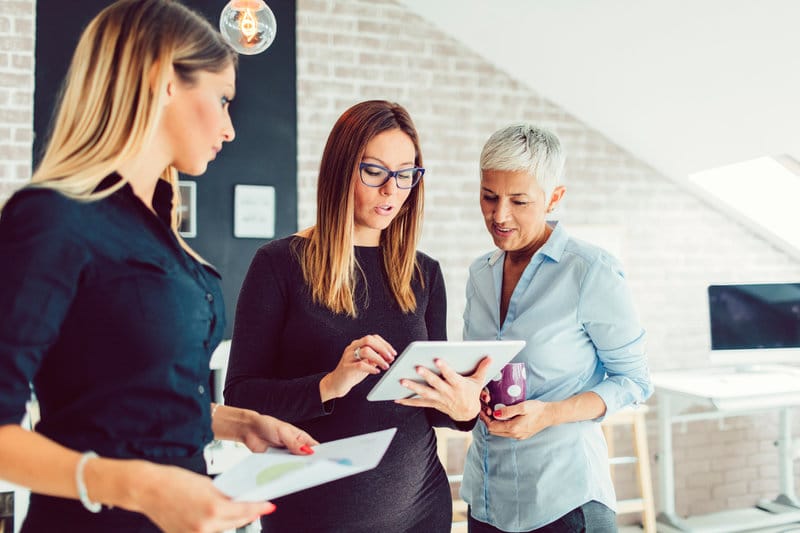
x,y
498,413
270,507
305,448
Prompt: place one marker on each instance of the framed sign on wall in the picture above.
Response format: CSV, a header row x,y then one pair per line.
x,y
254,212
188,213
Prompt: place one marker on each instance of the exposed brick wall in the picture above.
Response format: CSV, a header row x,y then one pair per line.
x,y
17,33
673,244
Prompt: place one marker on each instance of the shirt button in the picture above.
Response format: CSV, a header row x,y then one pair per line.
x,y
201,389
209,297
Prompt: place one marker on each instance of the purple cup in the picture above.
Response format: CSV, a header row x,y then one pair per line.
x,y
508,386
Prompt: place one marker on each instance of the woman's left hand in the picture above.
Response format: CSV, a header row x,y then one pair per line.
x,y
519,421
267,431
455,395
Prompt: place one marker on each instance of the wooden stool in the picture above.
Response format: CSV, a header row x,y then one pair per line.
x,y
634,418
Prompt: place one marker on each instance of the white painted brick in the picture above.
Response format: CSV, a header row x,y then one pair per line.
x,y
768,471
722,491
698,480
762,486
761,459
24,136
23,170
16,90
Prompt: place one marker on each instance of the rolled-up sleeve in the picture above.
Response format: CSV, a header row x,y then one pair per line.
x,y
41,259
609,317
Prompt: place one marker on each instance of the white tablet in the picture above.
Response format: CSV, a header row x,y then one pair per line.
x,y
461,356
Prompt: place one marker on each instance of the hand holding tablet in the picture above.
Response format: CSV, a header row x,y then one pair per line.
x,y
461,356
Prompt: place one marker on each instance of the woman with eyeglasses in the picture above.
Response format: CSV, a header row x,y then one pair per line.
x,y
322,313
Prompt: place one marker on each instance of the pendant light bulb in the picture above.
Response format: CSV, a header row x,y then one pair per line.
x,y
248,25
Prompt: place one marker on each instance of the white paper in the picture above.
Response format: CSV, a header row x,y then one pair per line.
x,y
265,476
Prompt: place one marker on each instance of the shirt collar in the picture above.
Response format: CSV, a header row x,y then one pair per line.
x,y
162,201
162,196
556,243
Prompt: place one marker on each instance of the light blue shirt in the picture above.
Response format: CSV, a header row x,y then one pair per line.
x,y
573,308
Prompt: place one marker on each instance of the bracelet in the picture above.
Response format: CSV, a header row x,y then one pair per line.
x,y
94,507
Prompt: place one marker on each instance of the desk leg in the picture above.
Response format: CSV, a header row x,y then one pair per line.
x,y
787,495
666,474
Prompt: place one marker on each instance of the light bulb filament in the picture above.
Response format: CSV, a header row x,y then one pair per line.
x,y
248,25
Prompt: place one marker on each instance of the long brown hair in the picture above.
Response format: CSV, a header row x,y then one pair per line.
x,y
327,255
112,97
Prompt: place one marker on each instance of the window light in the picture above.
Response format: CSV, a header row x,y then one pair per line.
x,y
762,190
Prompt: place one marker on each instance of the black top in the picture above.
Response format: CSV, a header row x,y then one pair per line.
x,y
113,323
283,344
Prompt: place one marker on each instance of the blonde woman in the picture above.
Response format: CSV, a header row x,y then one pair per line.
x,y
106,311
322,313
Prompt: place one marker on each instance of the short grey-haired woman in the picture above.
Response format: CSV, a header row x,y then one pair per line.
x,y
542,465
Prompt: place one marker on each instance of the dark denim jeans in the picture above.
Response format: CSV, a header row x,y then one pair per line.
x,y
591,517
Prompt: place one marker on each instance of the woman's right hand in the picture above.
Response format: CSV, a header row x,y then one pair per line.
x,y
180,501
362,357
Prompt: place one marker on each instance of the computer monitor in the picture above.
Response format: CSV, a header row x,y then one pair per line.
x,y
754,324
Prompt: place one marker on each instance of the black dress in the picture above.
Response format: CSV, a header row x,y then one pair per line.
x,y
283,344
114,324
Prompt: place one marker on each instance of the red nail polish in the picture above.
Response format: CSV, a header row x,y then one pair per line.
x,y
305,448
498,413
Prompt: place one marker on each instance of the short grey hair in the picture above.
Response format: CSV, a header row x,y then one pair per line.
x,y
529,148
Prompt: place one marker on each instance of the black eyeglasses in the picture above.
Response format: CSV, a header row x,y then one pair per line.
x,y
375,175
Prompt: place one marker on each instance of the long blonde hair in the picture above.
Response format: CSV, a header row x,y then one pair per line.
x,y
327,256
111,99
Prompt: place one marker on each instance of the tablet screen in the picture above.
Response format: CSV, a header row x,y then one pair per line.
x,y
461,356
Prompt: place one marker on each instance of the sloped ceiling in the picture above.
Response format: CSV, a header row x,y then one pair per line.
x,y
684,85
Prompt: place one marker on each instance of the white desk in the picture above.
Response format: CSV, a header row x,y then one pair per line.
x,y
727,392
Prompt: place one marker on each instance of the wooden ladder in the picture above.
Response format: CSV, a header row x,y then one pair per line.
x,y
634,418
